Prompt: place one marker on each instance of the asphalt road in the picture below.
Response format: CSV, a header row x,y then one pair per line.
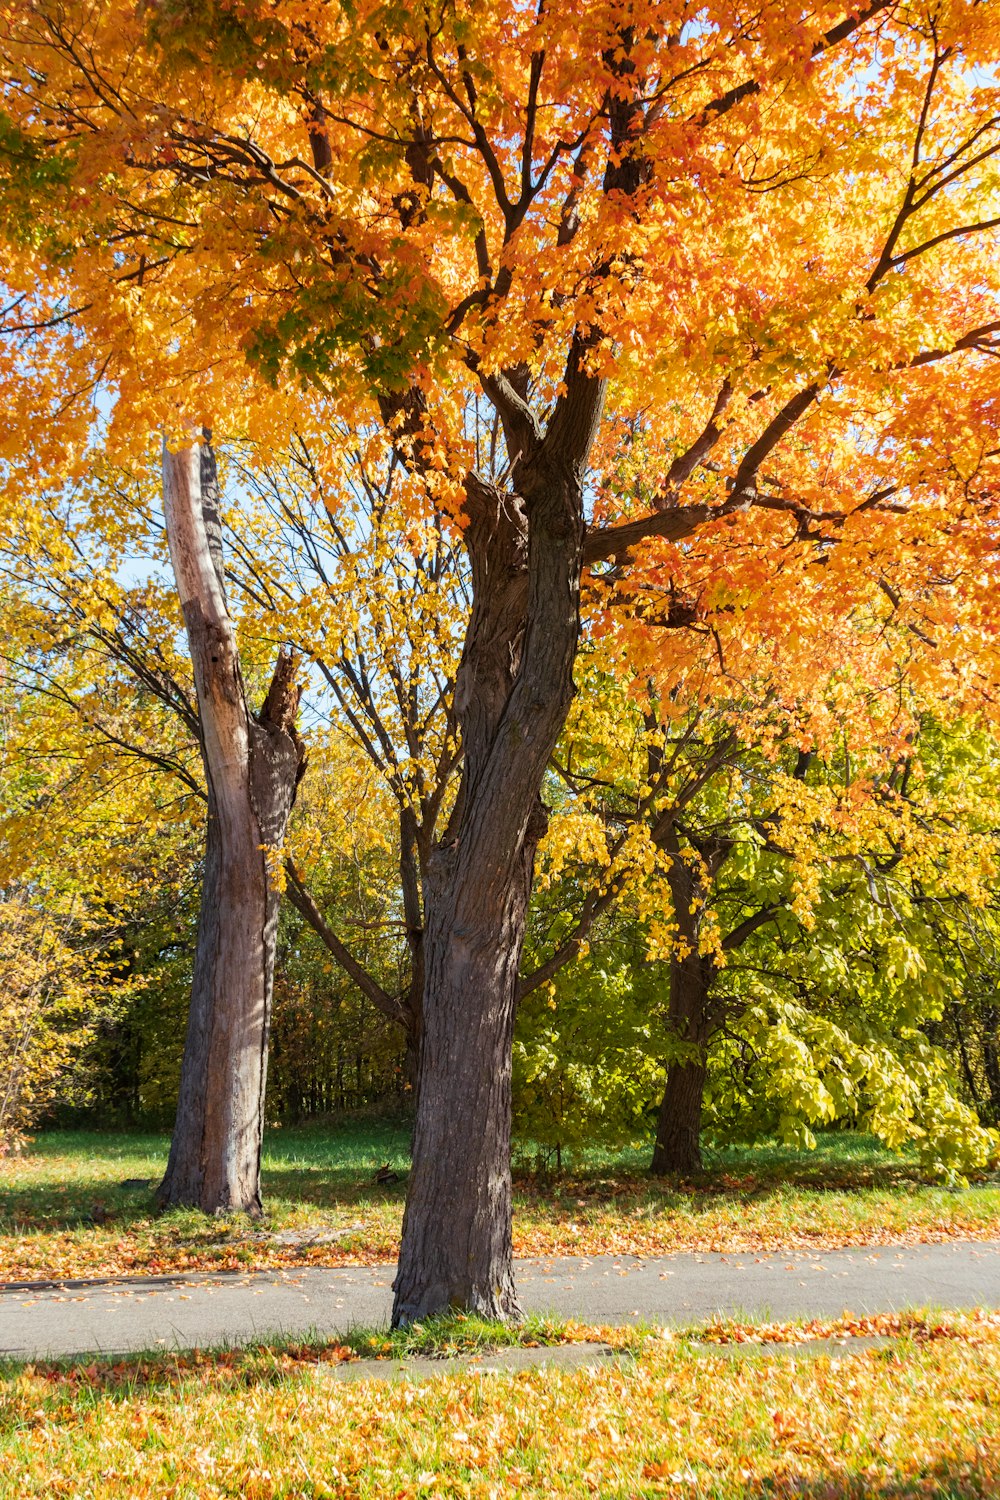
x,y
679,1290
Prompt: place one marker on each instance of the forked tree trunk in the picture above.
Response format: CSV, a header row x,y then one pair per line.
x,y
252,768
513,692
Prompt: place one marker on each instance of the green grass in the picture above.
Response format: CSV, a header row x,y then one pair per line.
x,y
462,1333
446,1336
64,1213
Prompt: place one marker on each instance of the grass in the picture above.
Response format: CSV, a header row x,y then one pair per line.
x,y
916,1418
445,1337
64,1213
461,1334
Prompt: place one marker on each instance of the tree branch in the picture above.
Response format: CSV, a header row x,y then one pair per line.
x,y
738,936
304,904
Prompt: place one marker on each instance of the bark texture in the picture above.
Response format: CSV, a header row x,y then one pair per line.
x,y
513,692
678,1126
692,975
252,768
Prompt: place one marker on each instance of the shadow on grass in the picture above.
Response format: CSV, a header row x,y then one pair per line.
x,y
73,1181
949,1479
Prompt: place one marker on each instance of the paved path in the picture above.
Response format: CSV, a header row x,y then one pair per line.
x,y
680,1290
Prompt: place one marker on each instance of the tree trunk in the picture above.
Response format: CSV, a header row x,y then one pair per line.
x,y
252,768
991,1060
457,1231
692,974
513,692
678,1128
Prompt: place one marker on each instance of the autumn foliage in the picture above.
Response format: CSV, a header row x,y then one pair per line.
x,y
53,988
681,328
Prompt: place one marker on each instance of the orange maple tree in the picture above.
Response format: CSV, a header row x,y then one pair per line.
x,y
718,274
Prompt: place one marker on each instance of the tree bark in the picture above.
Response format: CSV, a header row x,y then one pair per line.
x,y
678,1127
457,1230
252,768
692,974
513,692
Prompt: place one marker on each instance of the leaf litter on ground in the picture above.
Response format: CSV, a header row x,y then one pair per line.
x,y
323,1207
920,1419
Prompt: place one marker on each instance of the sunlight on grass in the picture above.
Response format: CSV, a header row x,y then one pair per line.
x,y
81,1204
463,1333
918,1417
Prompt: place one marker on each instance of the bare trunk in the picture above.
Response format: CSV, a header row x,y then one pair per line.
x,y
252,768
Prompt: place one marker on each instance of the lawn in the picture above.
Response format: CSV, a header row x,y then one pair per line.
x,y
65,1213
917,1417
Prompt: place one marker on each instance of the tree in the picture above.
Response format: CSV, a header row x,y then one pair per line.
x,y
93,644
78,857
749,242
679,807
346,597
253,764
812,929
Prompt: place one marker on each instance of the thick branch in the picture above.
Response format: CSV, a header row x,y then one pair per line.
x,y
685,464
304,904
671,525
748,926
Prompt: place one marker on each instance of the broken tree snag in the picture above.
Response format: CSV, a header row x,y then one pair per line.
x,y
252,769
